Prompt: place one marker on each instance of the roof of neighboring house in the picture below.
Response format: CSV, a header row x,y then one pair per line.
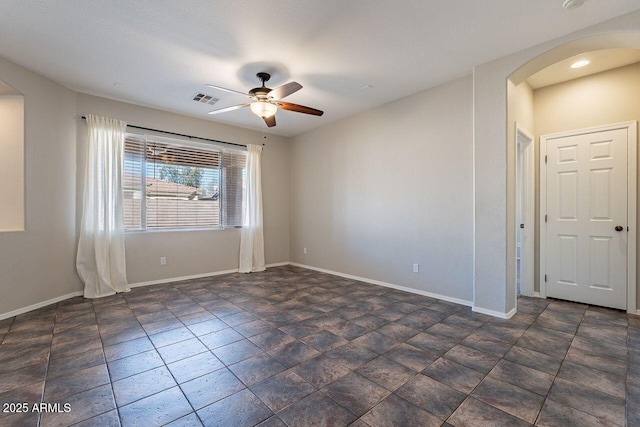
x,y
157,187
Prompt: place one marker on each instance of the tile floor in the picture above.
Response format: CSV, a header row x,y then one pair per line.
x,y
300,348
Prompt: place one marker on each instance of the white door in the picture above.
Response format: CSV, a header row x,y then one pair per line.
x,y
587,218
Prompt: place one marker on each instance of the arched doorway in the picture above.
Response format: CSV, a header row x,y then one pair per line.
x,y
567,115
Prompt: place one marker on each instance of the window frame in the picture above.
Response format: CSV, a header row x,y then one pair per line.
x,y
192,144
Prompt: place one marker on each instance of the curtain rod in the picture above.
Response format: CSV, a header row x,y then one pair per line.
x,y
182,134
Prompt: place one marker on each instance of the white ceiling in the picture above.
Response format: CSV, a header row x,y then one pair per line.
x,y
599,61
159,53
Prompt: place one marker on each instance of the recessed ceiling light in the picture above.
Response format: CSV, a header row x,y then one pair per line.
x,y
572,4
580,64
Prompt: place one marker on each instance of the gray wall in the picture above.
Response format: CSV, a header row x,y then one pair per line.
x,y
377,192
196,252
38,264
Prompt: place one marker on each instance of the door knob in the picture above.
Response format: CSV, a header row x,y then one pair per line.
x,y
618,228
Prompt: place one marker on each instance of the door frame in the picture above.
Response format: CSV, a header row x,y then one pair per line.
x,y
525,148
632,137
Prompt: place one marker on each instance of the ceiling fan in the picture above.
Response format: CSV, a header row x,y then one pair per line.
x,y
265,101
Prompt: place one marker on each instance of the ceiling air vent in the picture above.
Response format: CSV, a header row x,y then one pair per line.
x,y
205,99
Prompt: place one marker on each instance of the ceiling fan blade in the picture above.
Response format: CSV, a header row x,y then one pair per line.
x,y
270,121
233,107
285,90
227,90
299,108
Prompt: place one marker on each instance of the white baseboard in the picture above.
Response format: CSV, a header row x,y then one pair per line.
x,y
196,276
131,285
387,285
493,313
40,305
181,278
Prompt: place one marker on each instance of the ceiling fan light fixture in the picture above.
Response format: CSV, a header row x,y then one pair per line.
x,y
263,108
572,4
580,64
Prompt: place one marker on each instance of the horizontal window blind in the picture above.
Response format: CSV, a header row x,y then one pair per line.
x,y
184,186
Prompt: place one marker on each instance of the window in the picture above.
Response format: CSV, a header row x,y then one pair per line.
x,y
171,184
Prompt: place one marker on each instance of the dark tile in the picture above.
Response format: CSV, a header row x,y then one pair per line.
x,y
321,370
240,409
347,330
271,339
255,327
411,357
136,387
432,343
351,356
207,327
509,398
257,368
398,331
298,330
282,390
431,395
194,366
376,342
369,321
108,419
386,373
611,335
556,322
190,420
324,341
122,335
293,353
171,337
84,405
236,352
237,318
356,393
471,358
316,409
127,366
75,382
211,387
593,378
534,359
454,375
482,343
522,376
397,412
65,365
272,422
446,331
600,348
473,413
157,409
593,402
547,341
127,348
181,350
388,313
556,415
162,326
220,338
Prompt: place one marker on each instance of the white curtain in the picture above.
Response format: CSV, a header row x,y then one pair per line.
x,y
251,237
101,261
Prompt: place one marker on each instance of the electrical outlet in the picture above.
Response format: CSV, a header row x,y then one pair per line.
x,y
163,260
305,250
416,268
